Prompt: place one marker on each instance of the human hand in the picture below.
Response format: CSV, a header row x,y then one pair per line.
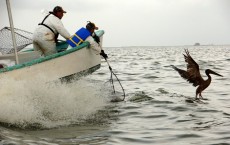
x,y
103,54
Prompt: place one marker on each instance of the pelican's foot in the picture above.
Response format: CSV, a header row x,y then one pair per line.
x,y
196,99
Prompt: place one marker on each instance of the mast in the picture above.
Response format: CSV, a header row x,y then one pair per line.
x,y
12,30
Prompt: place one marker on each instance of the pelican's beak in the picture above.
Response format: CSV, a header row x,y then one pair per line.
x,y
212,72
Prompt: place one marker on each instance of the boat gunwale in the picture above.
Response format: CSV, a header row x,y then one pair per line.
x,y
43,59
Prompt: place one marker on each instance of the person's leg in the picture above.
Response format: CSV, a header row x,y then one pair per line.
x,y
49,47
38,48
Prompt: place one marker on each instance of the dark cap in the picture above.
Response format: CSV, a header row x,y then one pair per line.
x,y
58,9
91,26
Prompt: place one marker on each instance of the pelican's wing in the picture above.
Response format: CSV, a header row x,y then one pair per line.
x,y
193,72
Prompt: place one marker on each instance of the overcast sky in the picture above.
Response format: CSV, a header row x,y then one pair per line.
x,y
134,22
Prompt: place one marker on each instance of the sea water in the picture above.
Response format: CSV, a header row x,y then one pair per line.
x,y
155,109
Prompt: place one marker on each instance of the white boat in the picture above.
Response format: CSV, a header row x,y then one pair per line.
x,y
78,61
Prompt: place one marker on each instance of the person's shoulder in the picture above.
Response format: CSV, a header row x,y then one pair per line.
x,y
52,17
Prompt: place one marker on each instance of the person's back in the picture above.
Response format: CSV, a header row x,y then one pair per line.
x,y
45,35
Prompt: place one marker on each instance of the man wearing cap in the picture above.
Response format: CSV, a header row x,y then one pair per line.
x,y
89,36
46,34
94,40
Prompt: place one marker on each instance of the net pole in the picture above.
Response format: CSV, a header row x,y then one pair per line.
x,y
12,30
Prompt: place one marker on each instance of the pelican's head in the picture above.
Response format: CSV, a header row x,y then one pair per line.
x,y
208,71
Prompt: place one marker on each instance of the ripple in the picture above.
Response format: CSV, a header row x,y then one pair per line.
x,y
155,116
162,91
135,140
184,120
150,77
227,114
140,97
180,108
161,102
188,136
207,110
221,143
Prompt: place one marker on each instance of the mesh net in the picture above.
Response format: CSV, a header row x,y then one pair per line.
x,y
23,38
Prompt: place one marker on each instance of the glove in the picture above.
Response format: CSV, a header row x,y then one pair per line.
x,y
103,54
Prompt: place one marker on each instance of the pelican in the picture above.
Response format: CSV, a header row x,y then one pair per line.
x,y
192,75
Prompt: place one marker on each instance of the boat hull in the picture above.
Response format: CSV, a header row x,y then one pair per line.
x,y
80,61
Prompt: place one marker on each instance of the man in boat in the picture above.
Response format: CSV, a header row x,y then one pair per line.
x,y
46,34
94,40
88,34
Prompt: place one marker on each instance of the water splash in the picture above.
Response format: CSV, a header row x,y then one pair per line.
x,y
48,105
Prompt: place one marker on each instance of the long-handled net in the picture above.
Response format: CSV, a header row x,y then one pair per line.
x,y
112,81
23,39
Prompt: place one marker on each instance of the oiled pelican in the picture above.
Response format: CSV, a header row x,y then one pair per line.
x,y
192,75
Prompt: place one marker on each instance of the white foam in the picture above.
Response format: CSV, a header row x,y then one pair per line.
x,y
48,104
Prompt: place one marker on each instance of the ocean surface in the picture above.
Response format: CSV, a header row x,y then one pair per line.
x,y
158,107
